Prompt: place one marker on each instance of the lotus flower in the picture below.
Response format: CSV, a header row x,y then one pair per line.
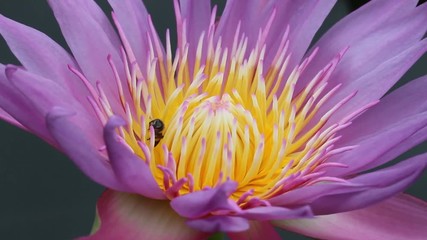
x,y
239,129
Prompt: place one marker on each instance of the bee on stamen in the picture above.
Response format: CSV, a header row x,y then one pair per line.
x,y
158,127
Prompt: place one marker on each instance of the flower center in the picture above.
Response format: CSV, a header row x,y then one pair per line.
x,y
213,139
224,114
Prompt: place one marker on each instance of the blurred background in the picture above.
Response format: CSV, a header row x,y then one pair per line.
x,y
43,195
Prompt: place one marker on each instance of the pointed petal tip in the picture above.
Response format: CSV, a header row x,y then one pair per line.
x,y
115,121
132,171
10,70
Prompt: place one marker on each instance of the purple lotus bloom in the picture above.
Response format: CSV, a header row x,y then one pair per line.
x,y
242,127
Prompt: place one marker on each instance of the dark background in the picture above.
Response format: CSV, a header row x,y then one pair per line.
x,y
42,194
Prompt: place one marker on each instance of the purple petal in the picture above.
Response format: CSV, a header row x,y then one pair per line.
x,y
384,41
371,147
257,230
403,146
219,224
403,101
44,94
41,55
131,170
303,17
12,102
388,72
360,192
8,118
273,212
309,194
128,217
200,203
401,217
74,142
251,15
363,23
391,114
386,183
133,19
193,18
91,39
196,14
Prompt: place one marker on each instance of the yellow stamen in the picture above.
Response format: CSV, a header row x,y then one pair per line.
x,y
226,115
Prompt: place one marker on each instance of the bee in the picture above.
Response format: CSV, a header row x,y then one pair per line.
x,y
158,127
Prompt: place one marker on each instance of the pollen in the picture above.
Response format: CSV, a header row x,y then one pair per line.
x,y
227,114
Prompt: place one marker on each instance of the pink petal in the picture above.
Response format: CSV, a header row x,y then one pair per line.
x,y
128,217
131,170
401,217
76,143
257,230
392,113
